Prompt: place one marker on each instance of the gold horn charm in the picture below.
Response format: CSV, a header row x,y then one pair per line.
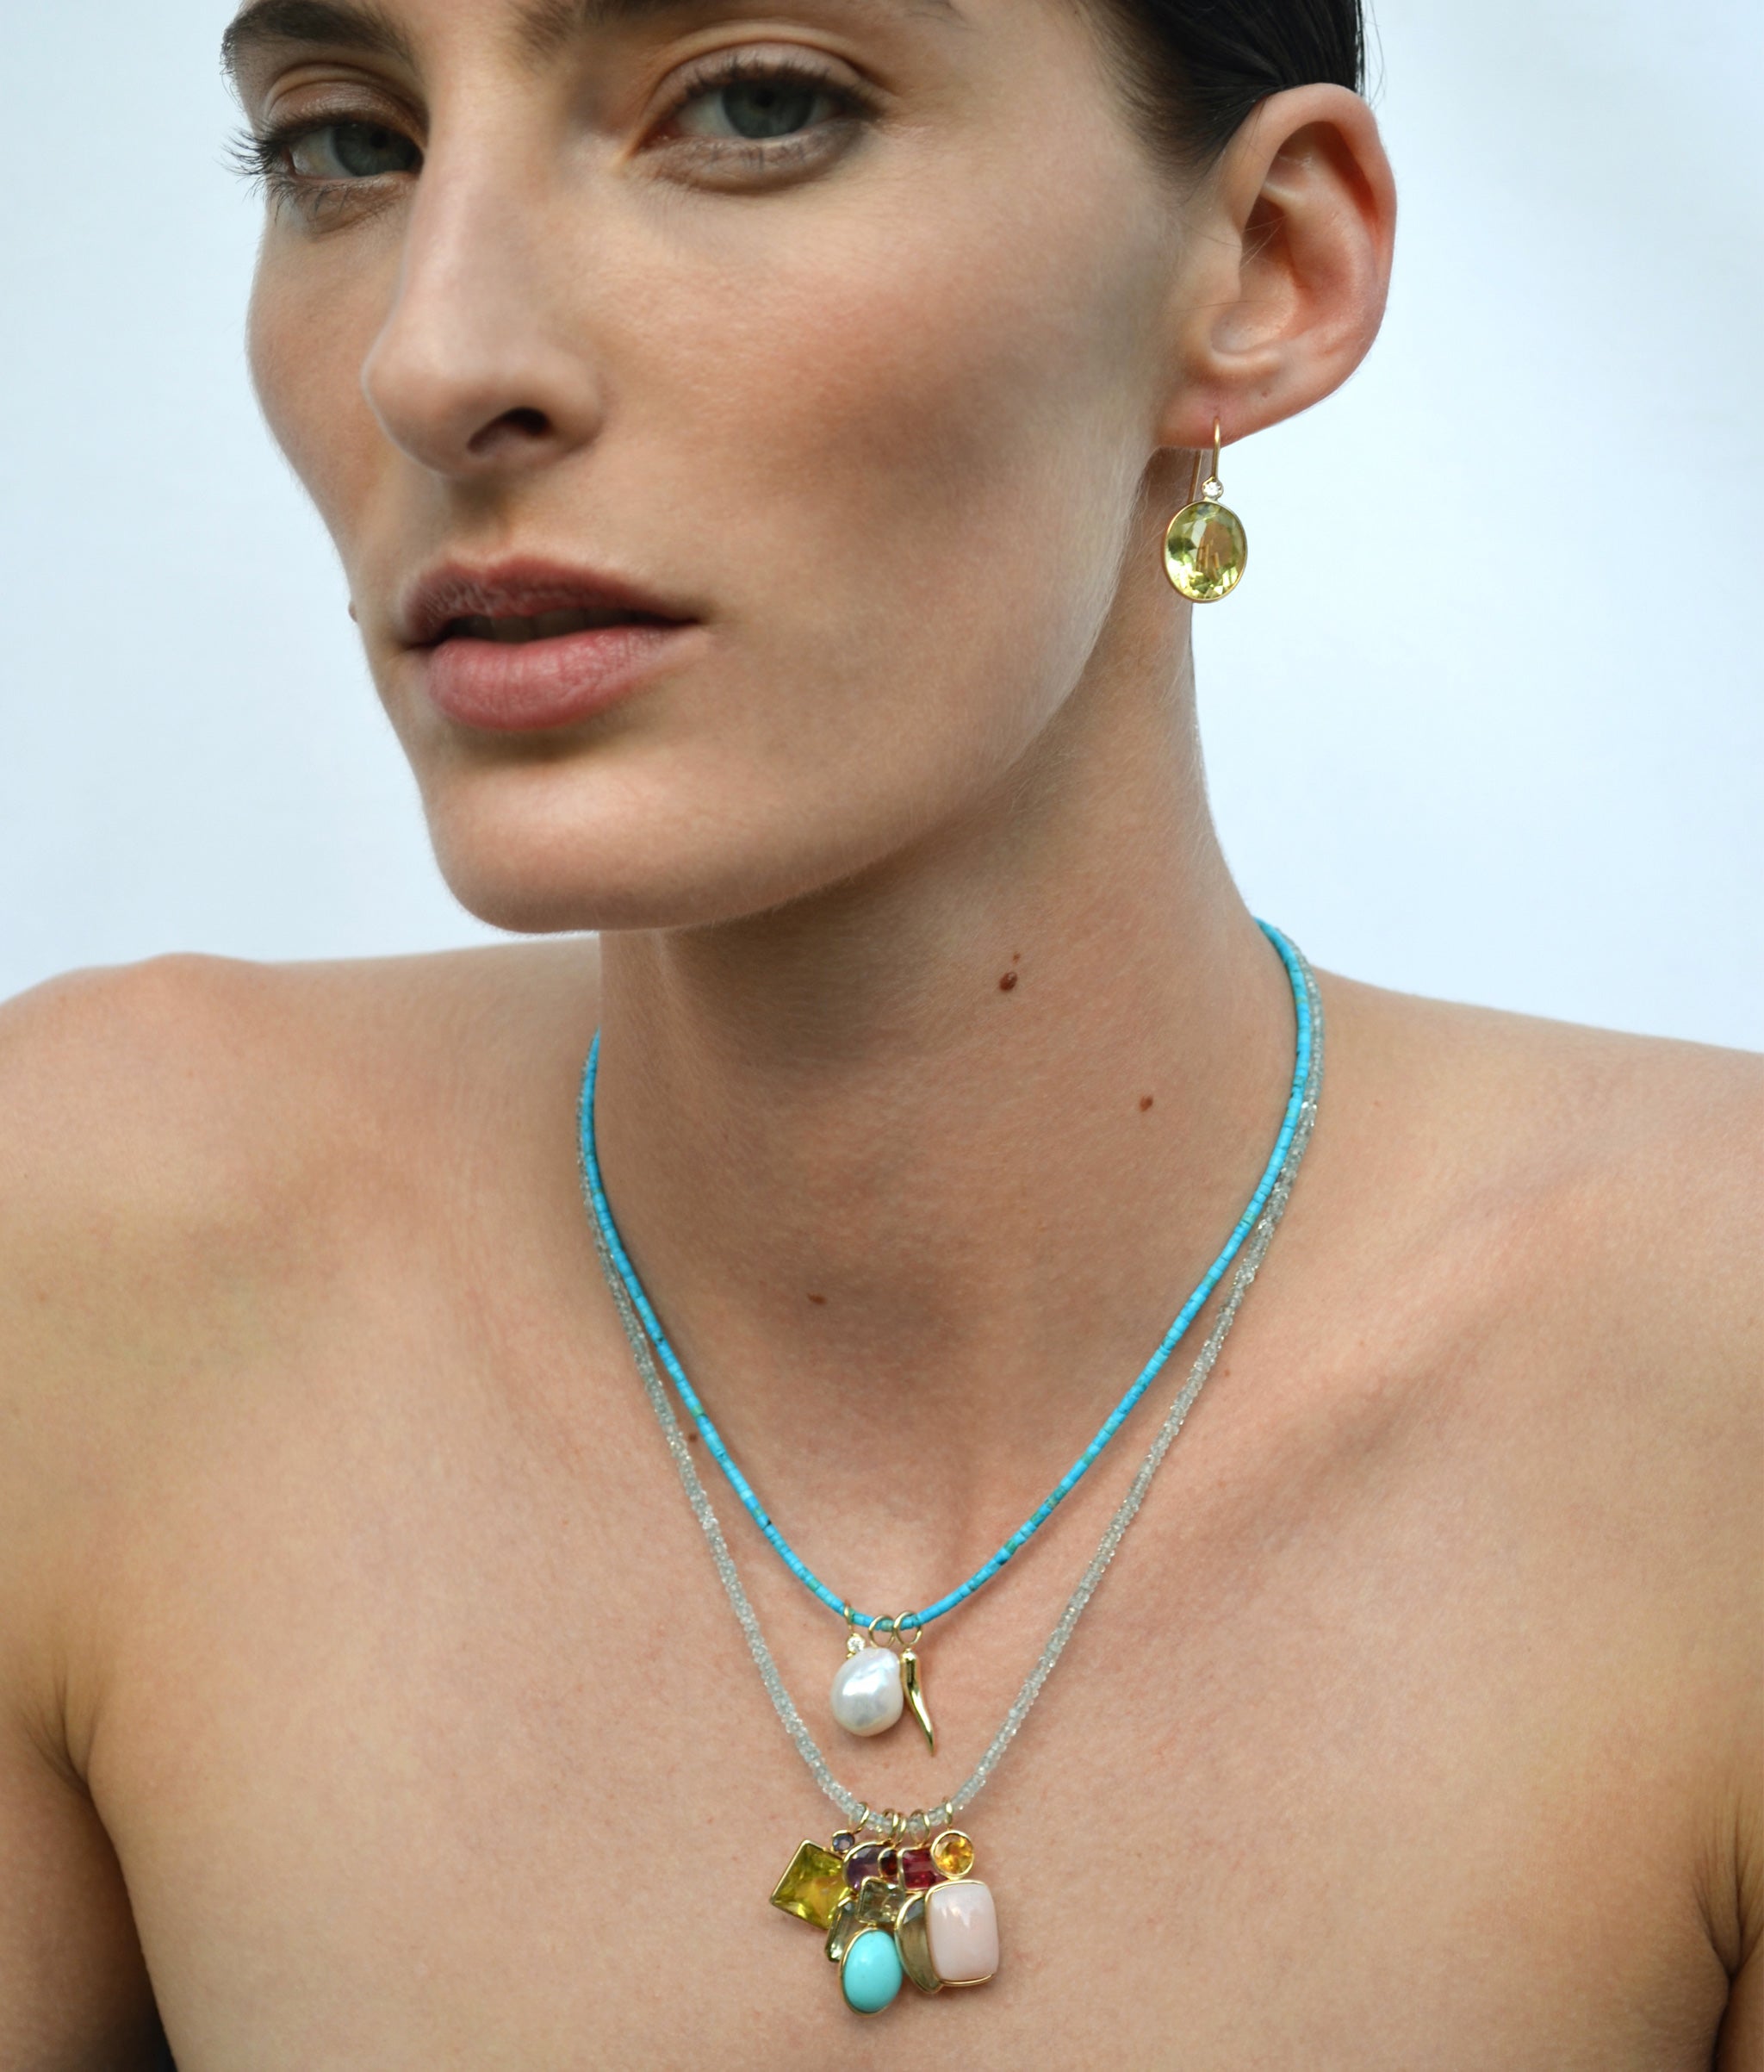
x,y
912,1686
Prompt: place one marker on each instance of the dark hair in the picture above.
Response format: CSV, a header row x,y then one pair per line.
x,y
1194,70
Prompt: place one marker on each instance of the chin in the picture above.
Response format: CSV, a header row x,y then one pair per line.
x,y
549,851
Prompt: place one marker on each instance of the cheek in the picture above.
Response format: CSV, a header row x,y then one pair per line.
x,y
310,325
920,435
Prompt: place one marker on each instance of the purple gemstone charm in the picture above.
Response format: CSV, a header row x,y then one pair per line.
x,y
874,1860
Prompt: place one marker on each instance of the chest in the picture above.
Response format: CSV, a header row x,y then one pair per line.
x,y
431,1741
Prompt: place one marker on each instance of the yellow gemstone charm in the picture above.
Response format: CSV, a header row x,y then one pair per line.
x,y
813,1887
952,1853
1205,549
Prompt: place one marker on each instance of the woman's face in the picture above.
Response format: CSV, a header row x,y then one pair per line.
x,y
835,334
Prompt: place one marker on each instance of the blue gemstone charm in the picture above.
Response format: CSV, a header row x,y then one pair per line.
x,y
870,1972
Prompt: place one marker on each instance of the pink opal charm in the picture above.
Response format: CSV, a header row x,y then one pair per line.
x,y
962,1925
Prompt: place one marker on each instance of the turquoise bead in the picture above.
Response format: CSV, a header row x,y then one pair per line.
x,y
870,1973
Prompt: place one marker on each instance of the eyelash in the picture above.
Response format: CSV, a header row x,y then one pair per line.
x,y
262,156
744,68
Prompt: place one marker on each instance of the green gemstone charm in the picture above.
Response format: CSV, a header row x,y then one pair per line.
x,y
1205,549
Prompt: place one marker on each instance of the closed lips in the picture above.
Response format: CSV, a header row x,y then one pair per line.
x,y
510,631
523,647
517,603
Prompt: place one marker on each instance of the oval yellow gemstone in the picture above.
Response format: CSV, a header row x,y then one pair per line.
x,y
1205,552
952,1853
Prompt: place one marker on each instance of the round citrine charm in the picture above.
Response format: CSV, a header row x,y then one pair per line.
x,y
952,1853
1205,549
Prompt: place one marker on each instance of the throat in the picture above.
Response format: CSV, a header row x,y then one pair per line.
x,y
960,1252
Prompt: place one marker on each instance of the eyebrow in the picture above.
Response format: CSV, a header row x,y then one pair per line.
x,y
356,25
547,25
544,25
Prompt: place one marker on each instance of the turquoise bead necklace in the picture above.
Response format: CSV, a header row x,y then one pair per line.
x,y
874,1689
894,1896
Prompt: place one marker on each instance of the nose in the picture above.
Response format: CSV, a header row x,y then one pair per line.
x,y
478,370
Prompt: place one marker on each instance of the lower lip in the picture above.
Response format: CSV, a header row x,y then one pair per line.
x,y
525,687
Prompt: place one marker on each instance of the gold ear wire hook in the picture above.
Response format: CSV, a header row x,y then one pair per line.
x,y
1205,548
1207,486
1212,489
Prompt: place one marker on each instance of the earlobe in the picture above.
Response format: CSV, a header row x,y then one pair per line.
x,y
1292,264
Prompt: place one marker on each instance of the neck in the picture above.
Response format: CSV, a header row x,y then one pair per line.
x,y
921,1169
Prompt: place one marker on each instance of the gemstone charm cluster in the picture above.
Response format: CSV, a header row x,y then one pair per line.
x,y
893,1909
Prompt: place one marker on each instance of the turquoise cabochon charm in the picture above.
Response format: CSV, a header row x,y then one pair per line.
x,y
870,1972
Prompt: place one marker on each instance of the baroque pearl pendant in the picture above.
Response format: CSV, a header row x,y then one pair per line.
x,y
867,1696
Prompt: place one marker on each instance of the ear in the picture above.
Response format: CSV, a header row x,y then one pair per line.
x,y
1288,266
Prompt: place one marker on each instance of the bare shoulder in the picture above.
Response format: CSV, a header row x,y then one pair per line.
x,y
143,1099
166,1080
189,1137
1588,1244
1641,1156
1594,1200
192,1147
1586,1211
208,1051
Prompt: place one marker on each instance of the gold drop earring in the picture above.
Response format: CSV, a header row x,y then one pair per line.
x,y
1205,549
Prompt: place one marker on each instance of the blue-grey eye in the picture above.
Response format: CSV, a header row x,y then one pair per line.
x,y
352,150
755,109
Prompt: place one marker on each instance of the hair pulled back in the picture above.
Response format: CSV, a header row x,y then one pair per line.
x,y
1194,70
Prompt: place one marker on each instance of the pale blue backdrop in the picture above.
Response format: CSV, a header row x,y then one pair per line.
x,y
1485,721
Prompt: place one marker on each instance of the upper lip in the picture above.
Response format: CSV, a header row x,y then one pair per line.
x,y
518,589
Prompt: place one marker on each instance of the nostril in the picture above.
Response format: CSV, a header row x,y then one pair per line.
x,y
513,427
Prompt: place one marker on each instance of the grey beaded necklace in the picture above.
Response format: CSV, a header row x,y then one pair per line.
x,y
893,1892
